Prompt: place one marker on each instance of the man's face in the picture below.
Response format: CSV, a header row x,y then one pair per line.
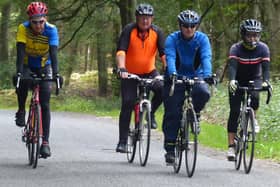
x,y
188,30
38,24
144,22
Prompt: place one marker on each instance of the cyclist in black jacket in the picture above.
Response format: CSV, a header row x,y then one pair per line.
x,y
248,60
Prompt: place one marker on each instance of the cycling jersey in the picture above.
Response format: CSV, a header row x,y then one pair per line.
x,y
140,52
191,58
249,61
37,45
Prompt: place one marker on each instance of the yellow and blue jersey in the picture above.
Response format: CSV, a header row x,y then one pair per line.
x,y
37,45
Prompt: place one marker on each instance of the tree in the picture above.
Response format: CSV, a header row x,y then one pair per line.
x,y
4,30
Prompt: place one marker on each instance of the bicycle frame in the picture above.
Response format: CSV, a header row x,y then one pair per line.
x,y
33,131
187,135
35,100
140,132
246,127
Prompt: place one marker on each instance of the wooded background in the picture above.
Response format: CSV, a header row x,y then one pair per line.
x,y
89,30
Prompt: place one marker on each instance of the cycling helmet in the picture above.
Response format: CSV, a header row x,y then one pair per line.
x,y
37,9
188,17
250,25
144,9
253,26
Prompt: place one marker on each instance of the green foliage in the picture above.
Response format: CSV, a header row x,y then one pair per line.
x,y
7,71
96,105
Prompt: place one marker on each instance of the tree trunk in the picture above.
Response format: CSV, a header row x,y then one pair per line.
x,y
86,57
102,66
73,51
91,56
6,10
127,10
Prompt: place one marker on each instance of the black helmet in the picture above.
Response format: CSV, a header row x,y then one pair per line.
x,y
144,9
188,17
250,25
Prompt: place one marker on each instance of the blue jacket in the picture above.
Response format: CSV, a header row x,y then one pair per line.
x,y
191,58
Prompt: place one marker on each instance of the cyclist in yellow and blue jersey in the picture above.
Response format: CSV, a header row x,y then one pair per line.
x,y
37,43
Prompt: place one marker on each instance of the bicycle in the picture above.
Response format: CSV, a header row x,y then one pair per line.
x,y
33,132
140,130
245,137
187,139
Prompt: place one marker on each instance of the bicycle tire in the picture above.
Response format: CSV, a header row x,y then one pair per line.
x,y
37,139
131,145
191,141
249,143
238,144
132,140
144,134
178,152
29,135
238,152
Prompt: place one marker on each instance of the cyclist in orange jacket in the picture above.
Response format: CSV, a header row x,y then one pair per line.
x,y
136,52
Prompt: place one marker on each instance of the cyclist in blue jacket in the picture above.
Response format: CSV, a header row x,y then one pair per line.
x,y
188,54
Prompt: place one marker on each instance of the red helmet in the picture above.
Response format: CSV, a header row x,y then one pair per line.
x,y
37,9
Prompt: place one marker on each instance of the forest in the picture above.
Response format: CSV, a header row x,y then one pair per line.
x,y
89,31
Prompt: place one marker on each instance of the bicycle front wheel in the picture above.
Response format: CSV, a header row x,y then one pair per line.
x,y
190,128
133,135
249,141
144,134
178,152
238,150
238,144
132,140
37,139
29,134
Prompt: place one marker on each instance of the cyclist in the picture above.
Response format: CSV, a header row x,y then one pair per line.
x,y
248,60
37,42
136,52
188,54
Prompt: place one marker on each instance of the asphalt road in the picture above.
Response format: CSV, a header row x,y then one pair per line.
x,y
83,154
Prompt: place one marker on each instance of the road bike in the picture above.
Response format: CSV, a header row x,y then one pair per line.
x,y
33,132
140,127
187,138
245,137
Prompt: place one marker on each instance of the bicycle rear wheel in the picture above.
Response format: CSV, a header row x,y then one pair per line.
x,y
144,134
37,139
190,128
178,152
249,143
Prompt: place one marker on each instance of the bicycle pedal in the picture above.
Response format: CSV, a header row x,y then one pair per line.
x,y
170,164
44,157
23,139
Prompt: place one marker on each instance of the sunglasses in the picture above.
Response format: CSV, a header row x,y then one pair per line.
x,y
252,35
34,22
191,25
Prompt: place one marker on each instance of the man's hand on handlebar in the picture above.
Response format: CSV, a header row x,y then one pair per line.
x,y
122,73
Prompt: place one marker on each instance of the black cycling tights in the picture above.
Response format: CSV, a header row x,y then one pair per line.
x,y
45,93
